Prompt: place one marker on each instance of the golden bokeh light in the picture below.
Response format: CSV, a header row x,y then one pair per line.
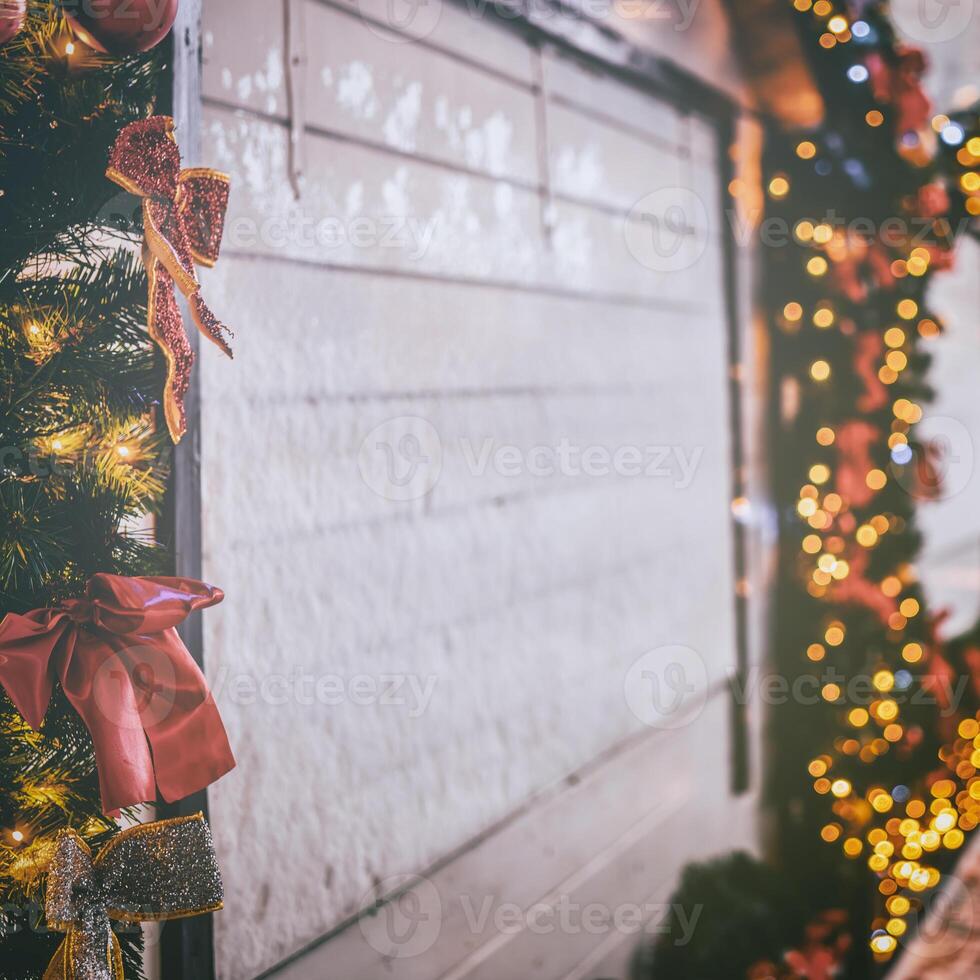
x,y
778,187
820,370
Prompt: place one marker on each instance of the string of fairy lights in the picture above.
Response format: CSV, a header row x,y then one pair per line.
x,y
900,831
75,435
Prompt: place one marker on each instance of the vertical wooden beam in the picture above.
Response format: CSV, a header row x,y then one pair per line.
x,y
187,945
294,14
546,203
740,755
186,464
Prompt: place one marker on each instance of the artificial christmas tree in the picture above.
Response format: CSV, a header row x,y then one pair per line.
x,y
83,464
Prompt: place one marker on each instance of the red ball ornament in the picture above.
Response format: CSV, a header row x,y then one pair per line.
x,y
12,16
122,26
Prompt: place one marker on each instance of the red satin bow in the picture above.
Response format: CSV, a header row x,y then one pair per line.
x,y
127,673
183,219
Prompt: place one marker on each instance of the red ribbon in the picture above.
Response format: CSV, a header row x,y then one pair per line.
x,y
125,670
183,219
896,83
854,440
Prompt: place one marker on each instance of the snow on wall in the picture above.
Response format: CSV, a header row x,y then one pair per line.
x,y
421,633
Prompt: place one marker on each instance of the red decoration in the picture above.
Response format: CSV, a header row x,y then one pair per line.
x,y
819,958
926,474
183,217
881,265
971,658
123,26
940,678
125,670
933,200
898,85
824,949
860,590
13,13
854,440
940,259
813,963
868,351
847,278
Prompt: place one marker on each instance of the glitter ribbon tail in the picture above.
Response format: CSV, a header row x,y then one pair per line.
x,y
166,328
64,963
209,324
183,221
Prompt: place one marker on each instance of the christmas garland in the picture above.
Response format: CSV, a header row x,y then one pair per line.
x,y
863,212
872,203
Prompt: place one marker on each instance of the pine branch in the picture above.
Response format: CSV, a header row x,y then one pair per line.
x,y
81,459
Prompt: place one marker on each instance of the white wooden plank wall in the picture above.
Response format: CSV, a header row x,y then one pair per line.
x,y
523,599
950,562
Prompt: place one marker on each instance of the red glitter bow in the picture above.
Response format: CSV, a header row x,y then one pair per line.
x,y
126,672
183,219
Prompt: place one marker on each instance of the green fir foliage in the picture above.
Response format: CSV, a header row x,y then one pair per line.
x,y
81,460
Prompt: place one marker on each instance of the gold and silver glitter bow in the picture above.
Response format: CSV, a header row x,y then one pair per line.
x,y
152,872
